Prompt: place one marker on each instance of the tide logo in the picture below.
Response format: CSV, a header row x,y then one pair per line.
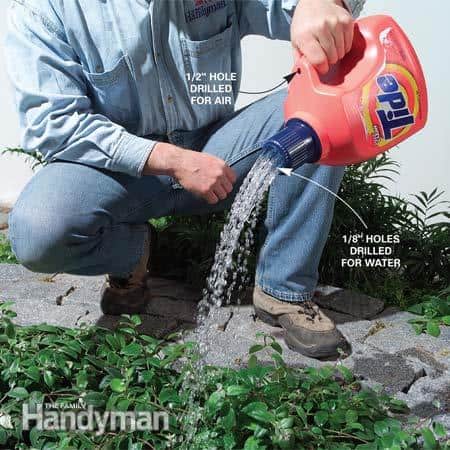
x,y
394,113
390,105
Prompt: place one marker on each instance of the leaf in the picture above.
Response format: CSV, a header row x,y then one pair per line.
x,y
82,379
416,309
49,378
381,428
252,361
237,390
286,423
367,447
433,328
258,411
277,347
169,395
19,393
34,373
3,437
446,320
351,416
35,434
302,414
136,320
229,421
147,375
279,361
229,441
252,444
430,442
346,373
95,399
321,418
10,330
118,385
255,348
418,328
439,429
133,349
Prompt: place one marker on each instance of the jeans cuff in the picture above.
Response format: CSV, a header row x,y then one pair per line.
x,y
287,296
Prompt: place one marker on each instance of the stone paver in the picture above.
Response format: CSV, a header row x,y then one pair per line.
x,y
42,298
386,353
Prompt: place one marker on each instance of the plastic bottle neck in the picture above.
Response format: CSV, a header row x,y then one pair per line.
x,y
297,142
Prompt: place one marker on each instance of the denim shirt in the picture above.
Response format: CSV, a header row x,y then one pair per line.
x,y
94,79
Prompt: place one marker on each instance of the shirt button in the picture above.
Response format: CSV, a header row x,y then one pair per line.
x,y
98,68
169,99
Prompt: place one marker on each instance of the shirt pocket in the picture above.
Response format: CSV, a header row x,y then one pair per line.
x,y
206,58
114,94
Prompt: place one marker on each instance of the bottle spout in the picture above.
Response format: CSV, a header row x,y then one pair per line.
x,y
297,143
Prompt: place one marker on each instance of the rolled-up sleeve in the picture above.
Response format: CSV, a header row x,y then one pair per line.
x,y
269,18
55,111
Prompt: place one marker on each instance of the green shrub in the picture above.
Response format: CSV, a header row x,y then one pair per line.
x,y
253,408
6,254
421,224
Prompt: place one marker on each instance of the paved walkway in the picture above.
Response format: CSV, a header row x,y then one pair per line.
x,y
385,351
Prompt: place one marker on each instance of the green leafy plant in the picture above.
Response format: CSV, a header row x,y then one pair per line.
x,y
6,254
35,158
421,225
434,312
256,407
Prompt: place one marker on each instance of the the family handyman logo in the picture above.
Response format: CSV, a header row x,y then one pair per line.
x,y
79,417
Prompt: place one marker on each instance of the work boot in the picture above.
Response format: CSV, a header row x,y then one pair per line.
x,y
307,329
130,295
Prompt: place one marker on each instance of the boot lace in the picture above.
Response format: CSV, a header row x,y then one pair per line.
x,y
310,310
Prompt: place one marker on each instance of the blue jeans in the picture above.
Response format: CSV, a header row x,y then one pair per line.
x,y
76,219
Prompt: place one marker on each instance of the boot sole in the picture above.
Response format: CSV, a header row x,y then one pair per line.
x,y
294,344
310,352
266,317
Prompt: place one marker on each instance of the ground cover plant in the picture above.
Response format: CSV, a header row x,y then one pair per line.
x,y
253,408
434,312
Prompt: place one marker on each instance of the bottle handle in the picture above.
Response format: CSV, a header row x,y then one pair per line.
x,y
305,67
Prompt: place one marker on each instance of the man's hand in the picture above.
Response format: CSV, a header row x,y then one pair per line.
x,y
202,174
322,30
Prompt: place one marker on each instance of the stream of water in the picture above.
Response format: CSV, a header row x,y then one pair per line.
x,y
229,273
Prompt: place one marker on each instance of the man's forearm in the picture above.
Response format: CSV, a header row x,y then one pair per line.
x,y
163,160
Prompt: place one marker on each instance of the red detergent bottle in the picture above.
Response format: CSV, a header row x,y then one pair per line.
x,y
369,102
